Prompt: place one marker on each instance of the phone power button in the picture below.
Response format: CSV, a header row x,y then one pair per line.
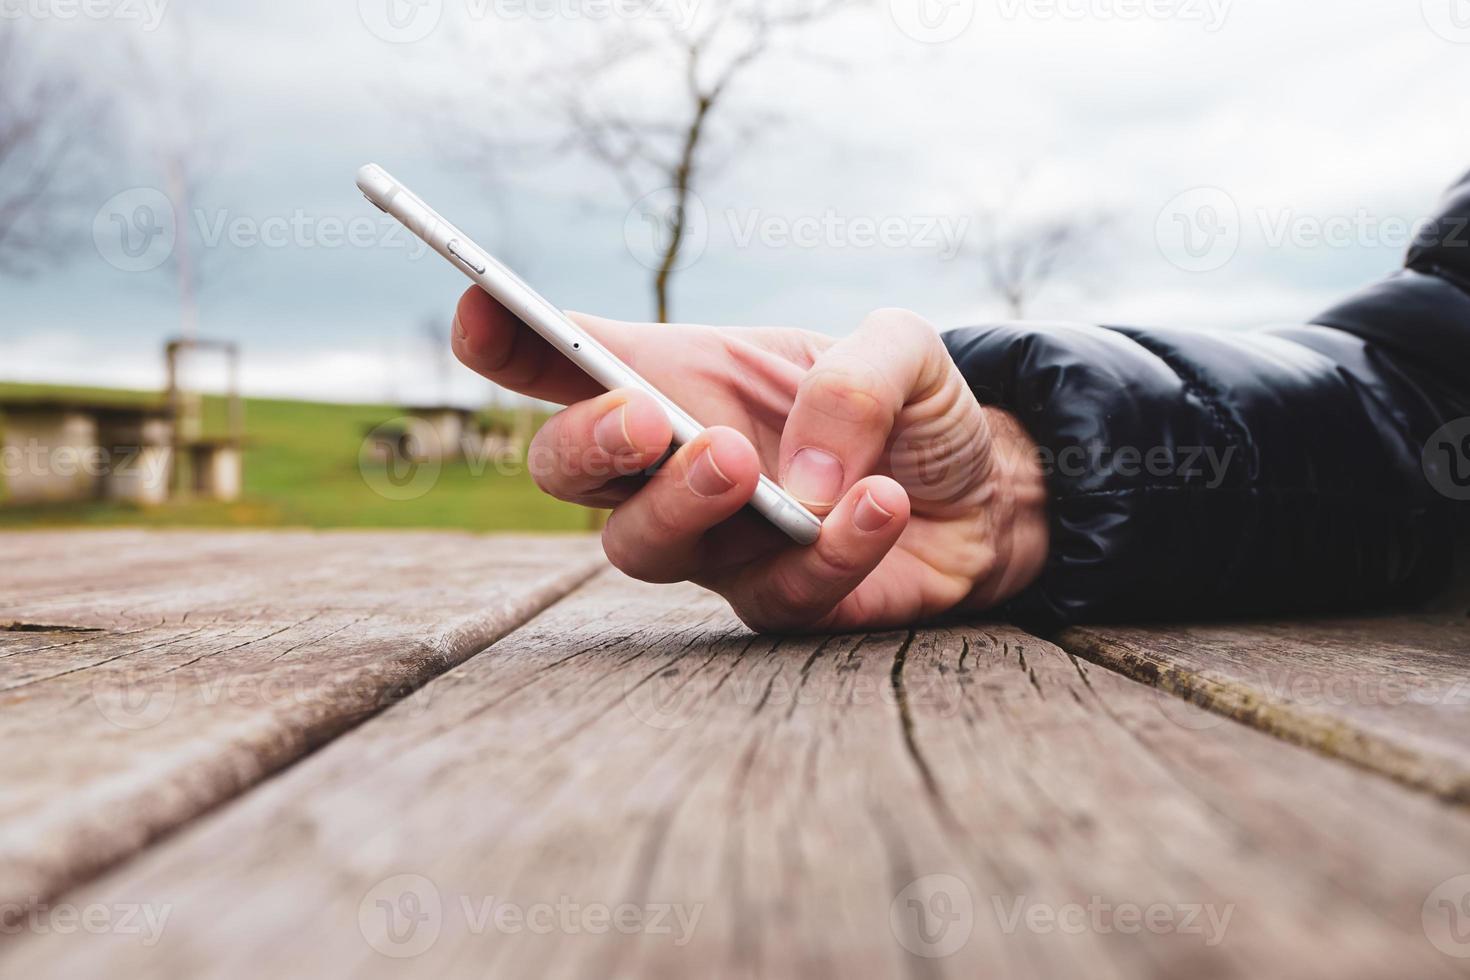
x,y
466,255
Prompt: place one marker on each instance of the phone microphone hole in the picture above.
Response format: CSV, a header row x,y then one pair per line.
x,y
576,346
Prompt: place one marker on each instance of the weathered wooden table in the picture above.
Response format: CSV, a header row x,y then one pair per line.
x,y
354,754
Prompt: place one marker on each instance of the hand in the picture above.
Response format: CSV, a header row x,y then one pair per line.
x,y
930,501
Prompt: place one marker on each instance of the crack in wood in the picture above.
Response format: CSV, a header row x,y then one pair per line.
x,y
19,627
906,725
792,835
1331,733
103,662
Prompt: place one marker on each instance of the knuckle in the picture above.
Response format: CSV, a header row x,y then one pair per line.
x,y
841,563
765,614
541,461
618,547
637,537
897,320
551,456
758,622
662,518
848,393
789,598
905,330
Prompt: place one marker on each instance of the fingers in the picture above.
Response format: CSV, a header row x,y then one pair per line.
x,y
799,588
658,535
847,404
492,341
583,454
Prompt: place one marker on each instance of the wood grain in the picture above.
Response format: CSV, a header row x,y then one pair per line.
x,y
146,677
1390,693
799,802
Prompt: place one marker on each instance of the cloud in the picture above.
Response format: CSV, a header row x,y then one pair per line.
x,y
1321,109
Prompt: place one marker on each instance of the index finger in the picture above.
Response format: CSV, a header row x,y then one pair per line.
x,y
492,341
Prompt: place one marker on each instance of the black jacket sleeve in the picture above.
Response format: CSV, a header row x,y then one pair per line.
x,y
1214,473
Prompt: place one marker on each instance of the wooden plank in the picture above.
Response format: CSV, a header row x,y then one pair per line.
x,y
1391,693
632,784
147,677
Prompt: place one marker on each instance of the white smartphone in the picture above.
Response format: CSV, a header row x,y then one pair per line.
x,y
778,506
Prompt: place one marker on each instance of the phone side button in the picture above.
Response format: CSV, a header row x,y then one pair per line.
x,y
466,256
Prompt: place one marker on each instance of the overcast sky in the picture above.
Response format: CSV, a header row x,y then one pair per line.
x,y
1254,160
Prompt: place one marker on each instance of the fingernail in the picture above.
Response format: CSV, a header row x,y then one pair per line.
x,y
705,478
611,431
814,477
867,516
459,330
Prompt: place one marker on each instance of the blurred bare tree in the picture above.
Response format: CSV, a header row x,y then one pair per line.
x,y
657,149
45,114
1022,260
172,107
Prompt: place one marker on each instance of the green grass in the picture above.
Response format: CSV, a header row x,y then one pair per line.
x,y
301,470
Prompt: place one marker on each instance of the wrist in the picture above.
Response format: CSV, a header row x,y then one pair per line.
x,y
1015,515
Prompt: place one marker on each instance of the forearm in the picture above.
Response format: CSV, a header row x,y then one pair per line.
x,y
1199,474
1014,515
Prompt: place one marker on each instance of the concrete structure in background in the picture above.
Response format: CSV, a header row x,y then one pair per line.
x,y
204,466
447,432
440,430
58,450
216,468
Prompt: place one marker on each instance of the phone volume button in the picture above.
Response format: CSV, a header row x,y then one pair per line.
x,y
466,256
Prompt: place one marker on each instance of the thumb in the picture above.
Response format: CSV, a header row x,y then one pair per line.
x,y
849,401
